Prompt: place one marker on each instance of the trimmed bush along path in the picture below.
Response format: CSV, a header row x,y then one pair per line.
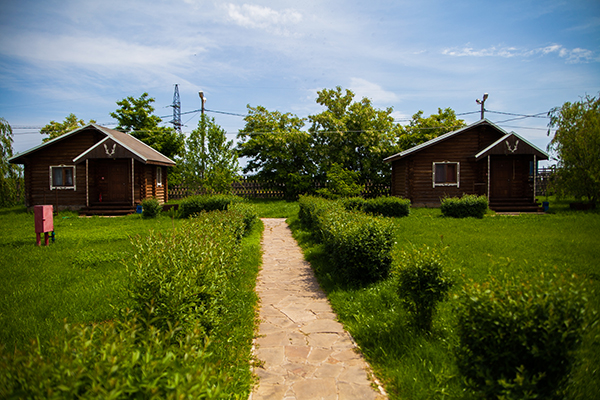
x,y
303,352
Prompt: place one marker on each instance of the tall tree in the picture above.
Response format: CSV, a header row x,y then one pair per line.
x,y
421,129
210,161
577,146
55,129
278,150
135,117
11,181
352,134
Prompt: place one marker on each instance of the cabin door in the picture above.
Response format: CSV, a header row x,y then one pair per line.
x,y
508,177
113,181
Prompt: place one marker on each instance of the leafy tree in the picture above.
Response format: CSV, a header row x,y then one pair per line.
x,y
421,129
353,134
577,145
11,181
55,129
278,150
210,161
135,117
341,183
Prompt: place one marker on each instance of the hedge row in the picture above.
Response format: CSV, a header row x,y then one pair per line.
x,y
179,290
466,206
193,205
360,245
386,206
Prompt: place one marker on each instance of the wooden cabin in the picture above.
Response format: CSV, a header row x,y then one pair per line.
x,y
480,159
95,170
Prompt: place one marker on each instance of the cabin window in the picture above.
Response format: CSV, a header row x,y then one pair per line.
x,y
159,178
62,177
446,174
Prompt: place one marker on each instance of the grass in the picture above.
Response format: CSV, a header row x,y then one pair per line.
x,y
81,278
414,366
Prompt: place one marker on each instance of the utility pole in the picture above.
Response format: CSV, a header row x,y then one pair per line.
x,y
482,102
176,110
202,100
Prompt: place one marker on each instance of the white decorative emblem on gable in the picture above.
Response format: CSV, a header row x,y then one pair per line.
x,y
112,152
512,149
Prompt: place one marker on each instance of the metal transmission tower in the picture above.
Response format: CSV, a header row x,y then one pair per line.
x,y
176,110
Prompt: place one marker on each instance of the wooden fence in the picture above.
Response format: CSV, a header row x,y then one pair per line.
x,y
251,188
542,182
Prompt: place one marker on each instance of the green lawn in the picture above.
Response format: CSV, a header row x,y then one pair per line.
x,y
414,366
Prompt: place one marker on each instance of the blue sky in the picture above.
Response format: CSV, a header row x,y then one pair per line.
x,y
61,57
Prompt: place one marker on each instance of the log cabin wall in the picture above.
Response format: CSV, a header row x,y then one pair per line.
x,y
413,176
62,152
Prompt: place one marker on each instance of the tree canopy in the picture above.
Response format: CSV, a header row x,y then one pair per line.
x,y
353,136
55,129
210,161
421,129
11,182
278,150
576,143
135,116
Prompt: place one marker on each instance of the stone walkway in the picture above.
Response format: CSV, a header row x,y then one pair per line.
x,y
304,352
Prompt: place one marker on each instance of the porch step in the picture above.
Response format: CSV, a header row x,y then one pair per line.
x,y
514,205
108,209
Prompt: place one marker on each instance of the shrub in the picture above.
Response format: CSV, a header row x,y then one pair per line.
x,y
517,337
467,206
114,359
179,276
387,206
150,208
193,205
353,203
312,208
422,284
360,245
248,212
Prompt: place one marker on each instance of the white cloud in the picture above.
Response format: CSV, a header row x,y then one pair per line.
x,y
572,56
373,91
263,18
105,52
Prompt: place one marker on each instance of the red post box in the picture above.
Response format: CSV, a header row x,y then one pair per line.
x,y
44,223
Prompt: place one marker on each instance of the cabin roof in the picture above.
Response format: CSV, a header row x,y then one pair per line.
x,y
443,137
137,148
510,144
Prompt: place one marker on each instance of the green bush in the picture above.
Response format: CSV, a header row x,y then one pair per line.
x,y
353,203
193,205
150,208
312,208
248,211
178,276
360,245
111,360
468,206
387,206
422,284
517,337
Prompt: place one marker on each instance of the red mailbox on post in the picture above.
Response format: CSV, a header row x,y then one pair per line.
x,y
44,223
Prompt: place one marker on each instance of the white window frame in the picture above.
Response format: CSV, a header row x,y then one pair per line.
x,y
159,176
63,187
457,183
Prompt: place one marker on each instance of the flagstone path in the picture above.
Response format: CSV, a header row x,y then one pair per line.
x,y
304,351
